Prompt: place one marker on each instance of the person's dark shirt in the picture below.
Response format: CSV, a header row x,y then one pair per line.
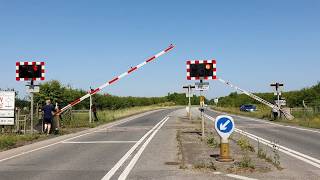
x,y
47,111
94,108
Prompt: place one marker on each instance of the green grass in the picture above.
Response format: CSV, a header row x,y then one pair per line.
x,y
262,112
8,141
82,119
301,119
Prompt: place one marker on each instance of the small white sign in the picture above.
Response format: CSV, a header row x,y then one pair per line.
x,y
7,106
202,87
33,89
281,102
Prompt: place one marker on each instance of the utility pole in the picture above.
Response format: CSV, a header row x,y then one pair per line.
x,y
189,93
278,94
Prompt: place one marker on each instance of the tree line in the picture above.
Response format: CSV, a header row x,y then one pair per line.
x,y
310,95
63,95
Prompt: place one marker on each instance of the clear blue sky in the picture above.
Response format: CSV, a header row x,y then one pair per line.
x,y
86,43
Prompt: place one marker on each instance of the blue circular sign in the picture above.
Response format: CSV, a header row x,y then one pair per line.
x,y
225,125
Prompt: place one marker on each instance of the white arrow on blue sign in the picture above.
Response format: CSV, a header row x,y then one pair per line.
x,y
224,126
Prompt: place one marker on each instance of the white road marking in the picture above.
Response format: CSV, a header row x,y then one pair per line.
x,y
298,155
97,142
134,160
128,154
59,142
264,121
239,177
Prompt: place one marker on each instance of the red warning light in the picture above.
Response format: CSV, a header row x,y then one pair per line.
x,y
208,66
35,68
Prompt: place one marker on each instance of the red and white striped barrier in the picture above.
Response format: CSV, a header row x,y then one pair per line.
x,y
92,92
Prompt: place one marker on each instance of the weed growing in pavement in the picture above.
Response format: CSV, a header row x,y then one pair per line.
x,y
244,144
212,142
275,159
203,165
276,155
262,154
180,151
246,162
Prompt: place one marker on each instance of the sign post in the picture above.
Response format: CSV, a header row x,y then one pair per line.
x,y
32,89
201,111
224,126
277,92
189,95
201,70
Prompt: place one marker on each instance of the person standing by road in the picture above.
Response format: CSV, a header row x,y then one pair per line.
x,y
94,111
48,111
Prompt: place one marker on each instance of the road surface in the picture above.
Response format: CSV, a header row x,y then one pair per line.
x,y
304,142
89,156
143,147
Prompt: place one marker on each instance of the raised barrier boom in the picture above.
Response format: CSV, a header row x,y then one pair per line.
x,y
132,69
287,115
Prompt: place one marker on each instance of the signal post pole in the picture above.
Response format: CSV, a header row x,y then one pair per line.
x,y
278,94
31,111
201,111
189,87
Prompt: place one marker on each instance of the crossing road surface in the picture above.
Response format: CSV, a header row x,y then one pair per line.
x,y
301,145
140,146
298,139
94,155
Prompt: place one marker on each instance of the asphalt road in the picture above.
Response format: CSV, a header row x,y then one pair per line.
x,y
140,146
89,156
302,140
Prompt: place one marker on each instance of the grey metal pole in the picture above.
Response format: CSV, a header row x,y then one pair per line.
x,y
189,94
31,111
278,94
202,117
90,110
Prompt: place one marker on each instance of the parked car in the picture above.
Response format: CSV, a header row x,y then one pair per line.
x,y
248,108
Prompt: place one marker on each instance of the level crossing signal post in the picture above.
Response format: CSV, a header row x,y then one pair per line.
x,y
30,71
201,70
277,86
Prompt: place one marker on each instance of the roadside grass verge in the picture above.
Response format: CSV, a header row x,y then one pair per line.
x,y
261,113
301,119
81,120
8,141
